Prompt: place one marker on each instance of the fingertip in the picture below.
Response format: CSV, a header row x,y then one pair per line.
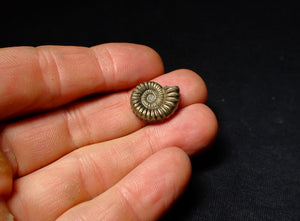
x,y
157,183
212,127
193,129
179,165
145,62
192,87
197,89
206,127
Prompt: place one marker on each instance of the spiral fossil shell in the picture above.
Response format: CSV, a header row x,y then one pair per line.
x,y
153,103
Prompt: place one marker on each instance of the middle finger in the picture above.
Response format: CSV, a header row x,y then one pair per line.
x,y
36,142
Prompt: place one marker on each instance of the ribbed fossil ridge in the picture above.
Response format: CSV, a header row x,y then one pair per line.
x,y
153,103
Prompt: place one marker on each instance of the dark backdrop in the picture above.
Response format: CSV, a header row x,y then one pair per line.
x,y
248,54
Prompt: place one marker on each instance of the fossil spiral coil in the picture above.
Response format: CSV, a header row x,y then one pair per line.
x,y
153,103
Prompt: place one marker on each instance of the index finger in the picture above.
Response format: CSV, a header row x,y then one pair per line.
x,y
37,79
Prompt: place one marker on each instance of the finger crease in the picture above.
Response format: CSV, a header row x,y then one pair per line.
x,y
58,87
103,82
113,75
82,175
75,119
52,80
125,194
89,167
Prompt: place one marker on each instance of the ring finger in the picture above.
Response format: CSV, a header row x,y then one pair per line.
x,y
89,171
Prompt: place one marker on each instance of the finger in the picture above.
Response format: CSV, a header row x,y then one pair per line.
x,y
89,171
35,79
144,194
36,142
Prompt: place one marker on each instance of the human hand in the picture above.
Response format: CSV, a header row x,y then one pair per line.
x,y
93,159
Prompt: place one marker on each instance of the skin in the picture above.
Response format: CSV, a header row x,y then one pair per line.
x,y
68,158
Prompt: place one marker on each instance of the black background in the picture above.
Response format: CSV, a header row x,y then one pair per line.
x,y
248,54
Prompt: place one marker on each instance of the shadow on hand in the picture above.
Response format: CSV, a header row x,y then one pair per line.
x,y
202,165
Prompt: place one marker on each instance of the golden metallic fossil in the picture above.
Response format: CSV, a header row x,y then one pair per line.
x,y
153,103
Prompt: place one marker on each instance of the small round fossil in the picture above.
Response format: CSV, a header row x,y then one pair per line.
x,y
153,103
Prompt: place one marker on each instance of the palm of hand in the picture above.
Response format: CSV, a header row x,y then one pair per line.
x,y
93,159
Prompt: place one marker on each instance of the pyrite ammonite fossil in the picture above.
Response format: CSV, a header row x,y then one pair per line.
x,y
153,103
